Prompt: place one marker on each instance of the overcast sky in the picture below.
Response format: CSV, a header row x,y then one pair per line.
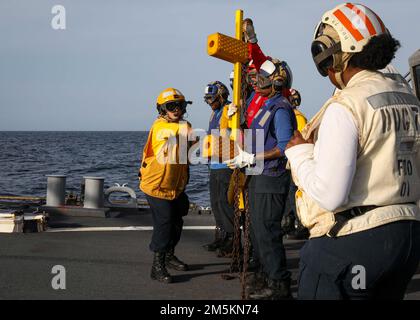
x,y
106,69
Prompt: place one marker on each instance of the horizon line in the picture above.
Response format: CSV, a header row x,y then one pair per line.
x,y
73,130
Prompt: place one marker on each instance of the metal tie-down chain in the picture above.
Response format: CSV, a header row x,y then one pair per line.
x,y
236,263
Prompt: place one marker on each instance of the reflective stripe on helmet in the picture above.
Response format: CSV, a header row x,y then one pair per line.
x,y
365,19
169,94
348,25
355,24
360,21
383,29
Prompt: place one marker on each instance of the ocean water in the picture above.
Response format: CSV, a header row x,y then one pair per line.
x,y
27,157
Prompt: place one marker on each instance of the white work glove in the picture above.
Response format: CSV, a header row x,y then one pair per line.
x,y
243,159
232,109
249,31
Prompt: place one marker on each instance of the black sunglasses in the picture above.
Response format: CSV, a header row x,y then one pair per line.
x,y
172,106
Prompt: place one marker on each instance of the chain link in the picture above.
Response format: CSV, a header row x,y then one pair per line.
x,y
236,263
247,245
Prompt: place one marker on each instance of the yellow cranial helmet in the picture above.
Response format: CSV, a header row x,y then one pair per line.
x,y
171,99
170,95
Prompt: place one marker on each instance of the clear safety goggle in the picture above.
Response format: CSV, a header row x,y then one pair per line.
x,y
210,93
211,90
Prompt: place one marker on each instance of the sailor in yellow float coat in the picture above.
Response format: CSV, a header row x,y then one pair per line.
x,y
163,178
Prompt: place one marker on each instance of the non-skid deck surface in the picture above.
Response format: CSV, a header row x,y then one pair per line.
x,y
116,264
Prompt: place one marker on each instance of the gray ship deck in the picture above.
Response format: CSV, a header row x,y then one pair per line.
x,y
116,264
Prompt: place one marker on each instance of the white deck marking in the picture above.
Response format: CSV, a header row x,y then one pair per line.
x,y
131,228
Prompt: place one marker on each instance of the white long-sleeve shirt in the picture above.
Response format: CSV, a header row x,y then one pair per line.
x,y
325,170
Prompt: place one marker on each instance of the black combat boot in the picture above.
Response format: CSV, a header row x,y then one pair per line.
x,y
173,262
219,236
255,282
226,248
159,271
274,290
